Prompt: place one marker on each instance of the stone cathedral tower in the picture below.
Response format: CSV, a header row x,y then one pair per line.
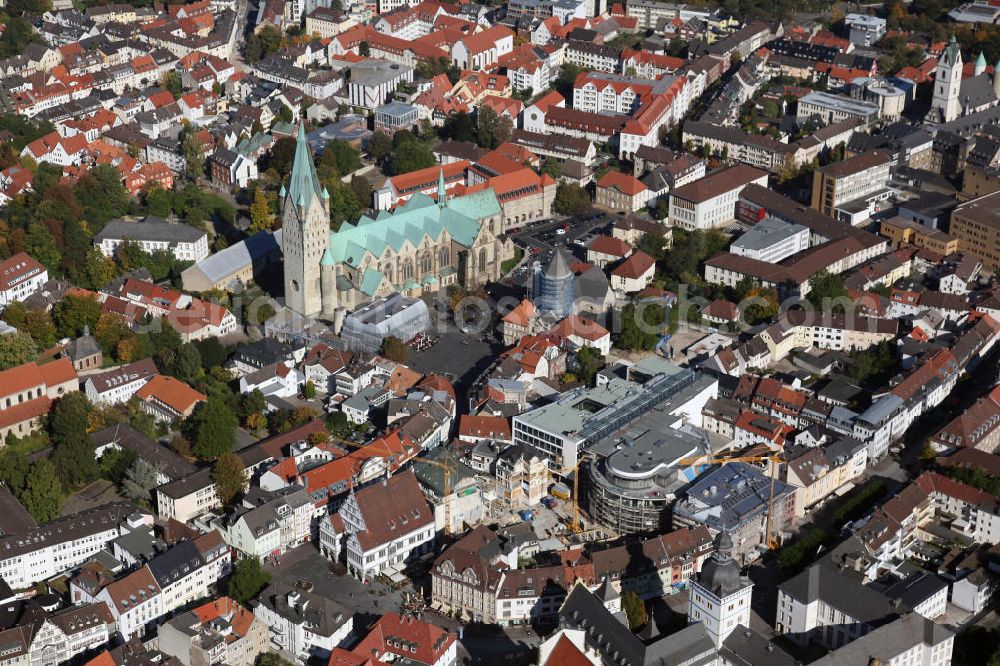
x,y
305,223
946,106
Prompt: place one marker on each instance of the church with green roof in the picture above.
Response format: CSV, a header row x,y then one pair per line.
x,y
424,245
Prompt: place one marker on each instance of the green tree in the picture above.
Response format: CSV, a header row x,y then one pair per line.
x,y
362,190
395,349
194,157
15,349
140,479
491,129
98,270
265,312
43,493
343,156
212,353
115,464
229,478
72,449
379,146
40,244
344,206
640,333
186,364
158,201
251,403
551,167
263,43
827,292
14,470
459,127
590,361
216,429
281,156
171,81
411,156
103,196
74,313
635,610
36,323
570,199
309,390
364,50
247,580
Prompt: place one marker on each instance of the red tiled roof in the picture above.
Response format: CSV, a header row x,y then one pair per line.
x,y
609,245
492,427
622,182
172,392
633,268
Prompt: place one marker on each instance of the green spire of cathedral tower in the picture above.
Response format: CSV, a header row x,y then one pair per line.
x,y
442,198
303,184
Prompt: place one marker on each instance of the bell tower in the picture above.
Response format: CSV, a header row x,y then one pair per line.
x,y
946,106
305,223
719,597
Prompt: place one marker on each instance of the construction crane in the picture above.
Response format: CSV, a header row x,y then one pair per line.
x,y
774,458
448,469
447,490
575,527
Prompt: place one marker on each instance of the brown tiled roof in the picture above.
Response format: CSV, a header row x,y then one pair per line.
x,y
718,183
608,245
856,164
635,266
392,509
494,427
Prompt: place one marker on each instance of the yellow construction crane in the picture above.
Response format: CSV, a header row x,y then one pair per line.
x,y
447,490
775,458
448,469
575,527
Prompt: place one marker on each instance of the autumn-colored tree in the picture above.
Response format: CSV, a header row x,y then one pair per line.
x,y
261,218
319,437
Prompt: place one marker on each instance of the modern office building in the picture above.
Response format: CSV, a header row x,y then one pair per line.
x,y
632,481
771,240
581,418
856,179
734,497
976,225
830,108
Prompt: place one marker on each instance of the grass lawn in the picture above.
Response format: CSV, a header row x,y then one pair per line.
x,y
29,444
508,266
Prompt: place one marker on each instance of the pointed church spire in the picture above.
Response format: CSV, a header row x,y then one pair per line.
x,y
303,184
442,197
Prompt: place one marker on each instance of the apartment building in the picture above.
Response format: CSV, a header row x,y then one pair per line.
x,y
381,527
154,234
771,240
303,624
852,180
220,631
620,192
117,386
901,231
39,553
710,203
976,225
20,276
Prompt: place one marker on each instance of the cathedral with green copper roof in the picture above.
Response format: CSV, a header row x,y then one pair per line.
x,y
422,246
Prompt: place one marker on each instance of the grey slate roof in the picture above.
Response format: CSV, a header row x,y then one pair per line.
x,y
150,228
844,591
